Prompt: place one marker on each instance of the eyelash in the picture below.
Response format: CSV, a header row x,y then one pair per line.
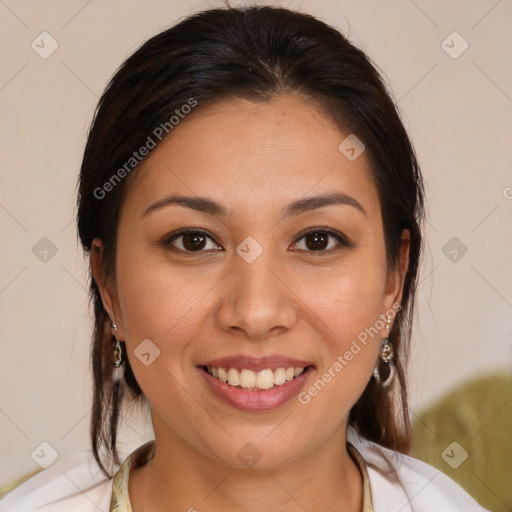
x,y
167,241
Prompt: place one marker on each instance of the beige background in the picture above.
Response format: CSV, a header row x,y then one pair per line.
x,y
458,111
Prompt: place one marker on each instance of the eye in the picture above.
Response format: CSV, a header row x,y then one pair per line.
x,y
190,240
196,240
317,240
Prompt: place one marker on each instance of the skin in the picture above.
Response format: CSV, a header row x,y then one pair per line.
x,y
254,158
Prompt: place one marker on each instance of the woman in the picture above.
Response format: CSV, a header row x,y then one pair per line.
x,y
253,208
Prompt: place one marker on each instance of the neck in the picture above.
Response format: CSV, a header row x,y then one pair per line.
x,y
179,477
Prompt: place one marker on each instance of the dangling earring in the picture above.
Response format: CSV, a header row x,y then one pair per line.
x,y
386,355
118,372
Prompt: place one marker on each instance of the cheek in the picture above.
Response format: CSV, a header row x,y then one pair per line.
x,y
155,296
169,305
158,305
349,307
351,300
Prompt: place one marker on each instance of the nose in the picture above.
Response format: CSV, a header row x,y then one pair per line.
x,y
257,301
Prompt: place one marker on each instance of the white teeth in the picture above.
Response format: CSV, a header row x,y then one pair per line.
x,y
279,376
298,371
248,379
233,377
265,379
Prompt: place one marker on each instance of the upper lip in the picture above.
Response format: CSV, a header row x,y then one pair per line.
x,y
256,363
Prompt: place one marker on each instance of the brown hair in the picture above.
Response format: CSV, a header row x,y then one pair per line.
x,y
253,53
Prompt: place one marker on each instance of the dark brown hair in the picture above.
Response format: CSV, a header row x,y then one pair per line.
x,y
253,53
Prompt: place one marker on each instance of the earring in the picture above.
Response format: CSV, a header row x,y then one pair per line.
x,y
118,372
386,355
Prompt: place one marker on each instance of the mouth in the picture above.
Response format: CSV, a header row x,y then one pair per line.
x,y
250,380
253,384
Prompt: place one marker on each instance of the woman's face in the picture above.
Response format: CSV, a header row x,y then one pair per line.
x,y
252,285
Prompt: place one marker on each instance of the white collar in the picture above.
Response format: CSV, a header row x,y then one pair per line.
x,y
400,483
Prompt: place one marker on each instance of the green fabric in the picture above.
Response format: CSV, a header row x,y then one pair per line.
x,y
478,417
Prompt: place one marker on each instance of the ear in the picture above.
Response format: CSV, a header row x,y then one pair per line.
x,y
106,288
396,277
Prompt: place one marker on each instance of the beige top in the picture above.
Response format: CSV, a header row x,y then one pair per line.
x,y
120,501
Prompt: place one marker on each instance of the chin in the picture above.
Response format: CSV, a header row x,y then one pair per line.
x,y
248,450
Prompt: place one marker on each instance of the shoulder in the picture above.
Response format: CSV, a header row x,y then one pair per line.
x,y
72,483
402,483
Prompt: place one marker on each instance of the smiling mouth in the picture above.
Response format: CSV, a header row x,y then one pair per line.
x,y
250,380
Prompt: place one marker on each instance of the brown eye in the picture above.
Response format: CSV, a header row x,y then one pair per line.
x,y
191,241
320,240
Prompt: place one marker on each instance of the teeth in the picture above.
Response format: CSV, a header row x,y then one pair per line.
x,y
247,379
265,379
297,371
223,376
279,376
233,377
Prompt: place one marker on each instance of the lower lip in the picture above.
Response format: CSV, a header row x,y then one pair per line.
x,y
257,401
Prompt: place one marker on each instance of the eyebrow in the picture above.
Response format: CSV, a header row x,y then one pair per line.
x,y
211,207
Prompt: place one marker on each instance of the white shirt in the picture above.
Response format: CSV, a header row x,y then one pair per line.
x,y
76,484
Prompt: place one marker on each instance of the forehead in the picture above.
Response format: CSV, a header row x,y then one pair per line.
x,y
253,156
